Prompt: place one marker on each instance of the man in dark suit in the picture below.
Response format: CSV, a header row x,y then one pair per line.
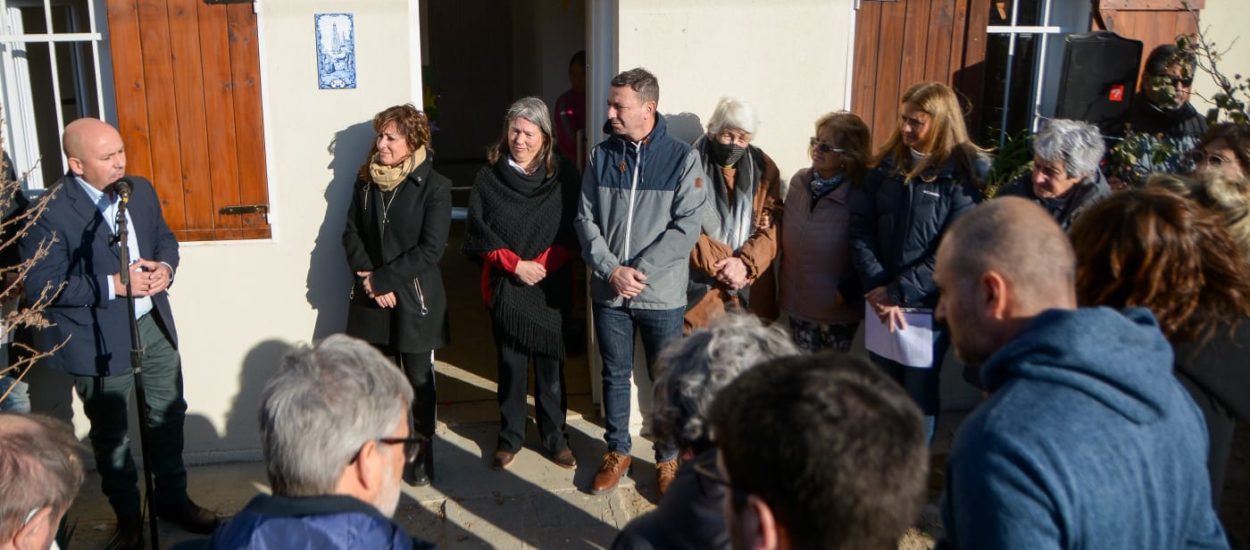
x,y
88,310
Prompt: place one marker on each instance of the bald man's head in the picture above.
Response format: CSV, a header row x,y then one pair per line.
x,y
95,152
999,266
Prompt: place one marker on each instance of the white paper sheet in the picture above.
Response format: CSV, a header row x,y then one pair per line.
x,y
912,346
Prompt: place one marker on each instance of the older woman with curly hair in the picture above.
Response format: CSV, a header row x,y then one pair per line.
x,y
397,226
691,373
1225,149
1065,179
1153,248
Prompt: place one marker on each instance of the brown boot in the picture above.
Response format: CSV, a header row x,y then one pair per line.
x,y
665,473
609,475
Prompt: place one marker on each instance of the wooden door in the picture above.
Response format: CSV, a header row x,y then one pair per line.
x,y
187,77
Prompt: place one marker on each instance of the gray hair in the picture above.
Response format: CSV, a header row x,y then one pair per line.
x,y
693,370
1078,144
640,81
533,110
40,467
322,405
732,112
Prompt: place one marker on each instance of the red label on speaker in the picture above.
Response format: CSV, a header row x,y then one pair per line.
x,y
1117,93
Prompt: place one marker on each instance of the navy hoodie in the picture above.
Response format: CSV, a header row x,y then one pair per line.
x,y
1088,441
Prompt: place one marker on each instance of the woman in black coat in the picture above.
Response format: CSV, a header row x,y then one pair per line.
x,y
927,175
520,227
396,231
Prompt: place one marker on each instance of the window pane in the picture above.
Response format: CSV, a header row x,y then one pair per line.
x,y
45,140
1017,102
1030,12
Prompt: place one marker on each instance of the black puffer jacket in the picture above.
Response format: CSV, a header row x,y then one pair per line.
x,y
896,226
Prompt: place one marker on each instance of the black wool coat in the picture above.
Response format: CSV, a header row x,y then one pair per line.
x,y
403,254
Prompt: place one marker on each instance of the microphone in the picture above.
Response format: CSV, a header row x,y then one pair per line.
x,y
122,187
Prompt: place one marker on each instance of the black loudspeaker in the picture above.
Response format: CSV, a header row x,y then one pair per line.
x,y
1098,78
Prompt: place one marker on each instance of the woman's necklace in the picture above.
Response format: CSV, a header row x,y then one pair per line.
x,y
386,207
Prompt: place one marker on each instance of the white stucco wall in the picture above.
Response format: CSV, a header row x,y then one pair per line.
x,y
788,58
1223,23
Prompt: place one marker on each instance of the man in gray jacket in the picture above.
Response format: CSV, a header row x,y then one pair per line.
x,y
639,217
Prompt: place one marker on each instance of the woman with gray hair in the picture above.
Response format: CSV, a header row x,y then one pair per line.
x,y
520,226
1065,179
729,266
691,372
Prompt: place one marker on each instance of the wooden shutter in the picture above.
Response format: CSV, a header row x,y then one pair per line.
x,y
899,44
187,76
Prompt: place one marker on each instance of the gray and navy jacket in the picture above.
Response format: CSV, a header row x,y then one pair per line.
x,y
641,206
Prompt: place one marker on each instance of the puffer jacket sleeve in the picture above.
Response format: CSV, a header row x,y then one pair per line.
x,y
865,249
686,221
595,249
914,284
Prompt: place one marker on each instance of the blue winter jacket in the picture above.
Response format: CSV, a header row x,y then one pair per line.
x,y
1087,441
642,206
332,521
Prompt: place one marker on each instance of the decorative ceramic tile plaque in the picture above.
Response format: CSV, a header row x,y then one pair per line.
x,y
336,51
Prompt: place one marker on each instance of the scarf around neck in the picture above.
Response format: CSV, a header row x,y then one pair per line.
x,y
389,177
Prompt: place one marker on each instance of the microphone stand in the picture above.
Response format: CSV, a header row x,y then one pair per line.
x,y
136,366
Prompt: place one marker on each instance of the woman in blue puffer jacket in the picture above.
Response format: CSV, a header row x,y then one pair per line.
x,y
927,174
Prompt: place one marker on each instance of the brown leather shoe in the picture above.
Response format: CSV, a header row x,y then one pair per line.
x,y
665,473
609,475
502,459
129,535
191,518
565,459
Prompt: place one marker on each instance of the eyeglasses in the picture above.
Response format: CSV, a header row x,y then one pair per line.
x,y
1208,159
824,147
412,446
1174,80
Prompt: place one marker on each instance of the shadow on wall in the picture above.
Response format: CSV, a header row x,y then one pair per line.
x,y
684,126
259,365
329,279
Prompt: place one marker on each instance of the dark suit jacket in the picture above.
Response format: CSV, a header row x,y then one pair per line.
x,y
82,258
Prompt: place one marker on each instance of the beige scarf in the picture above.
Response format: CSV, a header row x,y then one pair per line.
x,y
389,177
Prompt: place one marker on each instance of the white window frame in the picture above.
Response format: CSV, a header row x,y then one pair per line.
x,y
1043,92
18,105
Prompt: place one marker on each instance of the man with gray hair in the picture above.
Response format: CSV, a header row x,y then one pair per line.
x,y
1065,179
638,218
336,433
691,373
1087,439
40,473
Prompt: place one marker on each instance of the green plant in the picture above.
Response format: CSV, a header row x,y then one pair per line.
x,y
1014,159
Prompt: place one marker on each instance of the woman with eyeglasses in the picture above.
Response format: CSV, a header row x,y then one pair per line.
x,y
730,264
820,291
1225,149
928,174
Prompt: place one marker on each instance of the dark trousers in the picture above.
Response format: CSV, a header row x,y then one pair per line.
x,y
419,369
106,401
923,385
550,397
615,327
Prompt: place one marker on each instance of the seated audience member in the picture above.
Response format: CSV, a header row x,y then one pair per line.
x,y
336,431
40,474
1224,149
1154,249
1065,179
1087,439
820,291
819,451
692,372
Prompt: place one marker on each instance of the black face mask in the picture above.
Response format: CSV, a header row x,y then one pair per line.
x,y
726,154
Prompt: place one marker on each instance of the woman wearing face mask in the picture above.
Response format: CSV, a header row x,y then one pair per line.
x,y
396,231
520,226
927,175
730,264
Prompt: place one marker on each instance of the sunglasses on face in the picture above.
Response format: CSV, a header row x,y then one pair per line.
x,y
824,147
1174,80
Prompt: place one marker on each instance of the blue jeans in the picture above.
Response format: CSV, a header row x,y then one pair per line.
x,y
18,399
615,328
923,385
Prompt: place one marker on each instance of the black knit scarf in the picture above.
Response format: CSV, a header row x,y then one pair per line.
x,y
526,214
